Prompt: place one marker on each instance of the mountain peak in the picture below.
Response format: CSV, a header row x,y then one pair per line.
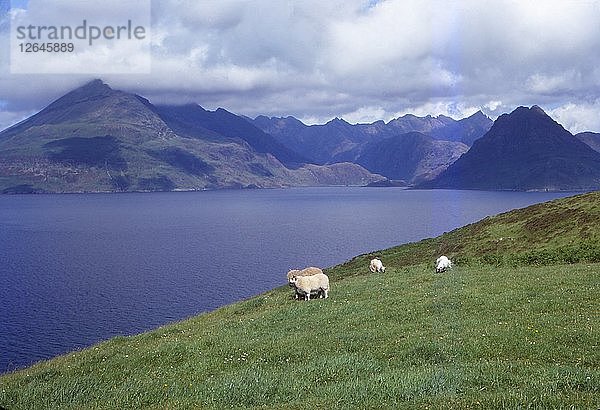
x,y
92,90
525,150
534,109
96,84
479,115
537,109
526,117
531,124
337,120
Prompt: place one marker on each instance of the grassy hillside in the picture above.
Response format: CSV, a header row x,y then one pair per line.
x,y
503,335
565,230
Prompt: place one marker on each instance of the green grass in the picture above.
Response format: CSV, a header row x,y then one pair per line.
x,y
479,336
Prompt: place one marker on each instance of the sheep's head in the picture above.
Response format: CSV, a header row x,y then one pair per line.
x,y
292,272
293,280
383,268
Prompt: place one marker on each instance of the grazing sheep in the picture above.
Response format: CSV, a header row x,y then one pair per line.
x,y
376,265
442,263
304,272
310,285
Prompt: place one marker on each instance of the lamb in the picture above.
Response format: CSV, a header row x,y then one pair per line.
x,y
376,265
304,272
310,285
442,263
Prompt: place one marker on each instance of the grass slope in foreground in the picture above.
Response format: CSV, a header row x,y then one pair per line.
x,y
502,335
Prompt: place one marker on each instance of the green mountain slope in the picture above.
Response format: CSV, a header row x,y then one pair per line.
x,y
478,336
96,139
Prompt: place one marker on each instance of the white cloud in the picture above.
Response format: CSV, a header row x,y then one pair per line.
x,y
85,37
214,15
358,59
578,117
551,84
493,105
365,115
9,118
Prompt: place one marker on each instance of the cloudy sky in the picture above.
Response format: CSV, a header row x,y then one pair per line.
x,y
361,60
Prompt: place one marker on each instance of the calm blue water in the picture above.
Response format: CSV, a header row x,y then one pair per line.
x,y
77,269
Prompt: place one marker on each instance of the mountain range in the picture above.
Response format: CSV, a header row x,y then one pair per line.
x,y
97,139
392,149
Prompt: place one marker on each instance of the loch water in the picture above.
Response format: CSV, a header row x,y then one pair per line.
x,y
80,268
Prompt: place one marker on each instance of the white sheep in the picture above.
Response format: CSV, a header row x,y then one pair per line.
x,y
376,265
442,263
310,285
304,272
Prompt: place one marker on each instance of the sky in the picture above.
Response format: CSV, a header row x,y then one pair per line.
x,y
361,60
